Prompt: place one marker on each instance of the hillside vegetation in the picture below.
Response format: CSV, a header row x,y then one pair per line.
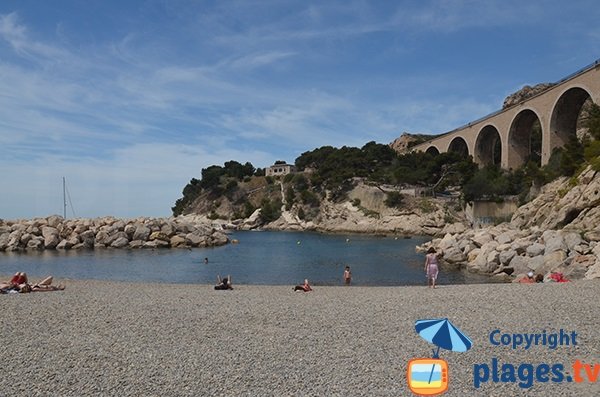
x,y
235,191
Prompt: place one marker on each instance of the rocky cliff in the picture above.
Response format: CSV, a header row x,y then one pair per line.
x,y
364,211
404,142
556,232
525,93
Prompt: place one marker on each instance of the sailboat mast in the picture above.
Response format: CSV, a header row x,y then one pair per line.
x,y
64,199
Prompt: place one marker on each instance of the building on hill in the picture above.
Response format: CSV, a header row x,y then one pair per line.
x,y
280,168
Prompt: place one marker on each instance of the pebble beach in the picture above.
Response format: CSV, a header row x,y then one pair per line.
x,y
100,338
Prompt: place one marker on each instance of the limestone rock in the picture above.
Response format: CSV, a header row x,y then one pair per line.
x,y
519,264
51,237
535,249
506,256
120,242
158,236
454,256
141,233
178,241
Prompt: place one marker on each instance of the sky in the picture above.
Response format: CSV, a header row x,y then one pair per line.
x,y
129,100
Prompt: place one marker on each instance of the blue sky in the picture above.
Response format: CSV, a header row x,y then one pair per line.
x,y
129,100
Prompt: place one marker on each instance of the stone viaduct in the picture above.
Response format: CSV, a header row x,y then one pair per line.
x,y
556,109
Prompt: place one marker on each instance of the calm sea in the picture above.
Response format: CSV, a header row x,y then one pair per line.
x,y
273,258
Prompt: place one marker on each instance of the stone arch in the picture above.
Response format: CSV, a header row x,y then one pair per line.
x,y
488,146
459,145
525,139
566,110
432,150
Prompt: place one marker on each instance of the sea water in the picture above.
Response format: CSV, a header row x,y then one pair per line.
x,y
270,258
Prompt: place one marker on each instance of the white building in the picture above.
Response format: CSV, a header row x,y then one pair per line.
x,y
280,169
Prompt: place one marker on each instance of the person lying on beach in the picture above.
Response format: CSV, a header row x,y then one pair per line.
x,y
558,277
528,279
223,284
46,285
16,285
304,287
17,282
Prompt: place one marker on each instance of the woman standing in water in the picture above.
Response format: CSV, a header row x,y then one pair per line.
x,y
431,267
347,275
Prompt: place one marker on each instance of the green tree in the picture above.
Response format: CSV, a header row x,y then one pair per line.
x,y
593,121
394,199
270,211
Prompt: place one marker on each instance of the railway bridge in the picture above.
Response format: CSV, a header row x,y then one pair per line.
x,y
504,136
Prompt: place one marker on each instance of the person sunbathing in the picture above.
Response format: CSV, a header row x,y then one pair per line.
x,y
18,282
304,287
223,284
46,285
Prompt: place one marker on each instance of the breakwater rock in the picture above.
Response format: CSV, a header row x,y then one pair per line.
x,y
508,253
54,232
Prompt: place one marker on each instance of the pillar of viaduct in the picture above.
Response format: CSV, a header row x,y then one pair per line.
x,y
555,111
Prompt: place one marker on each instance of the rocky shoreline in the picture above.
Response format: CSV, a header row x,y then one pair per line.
x,y
56,233
507,253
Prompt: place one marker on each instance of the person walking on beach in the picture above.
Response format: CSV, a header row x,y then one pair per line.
x,y
347,275
431,267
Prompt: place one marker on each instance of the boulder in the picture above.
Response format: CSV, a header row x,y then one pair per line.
x,y
156,244
578,267
593,271
167,229
520,264
454,256
64,245
14,238
535,249
555,243
158,236
572,240
51,237
196,240
141,233
36,243
218,238
178,241
482,237
4,238
506,237
112,238
129,230
592,235
136,244
506,256
120,242
472,255
492,262
54,221
552,261
101,237
25,238
536,262
447,242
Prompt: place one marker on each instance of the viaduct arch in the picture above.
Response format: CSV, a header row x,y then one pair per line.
x,y
530,129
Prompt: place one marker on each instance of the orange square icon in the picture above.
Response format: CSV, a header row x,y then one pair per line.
x,y
427,376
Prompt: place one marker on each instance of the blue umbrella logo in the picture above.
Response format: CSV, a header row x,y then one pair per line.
x,y
443,334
